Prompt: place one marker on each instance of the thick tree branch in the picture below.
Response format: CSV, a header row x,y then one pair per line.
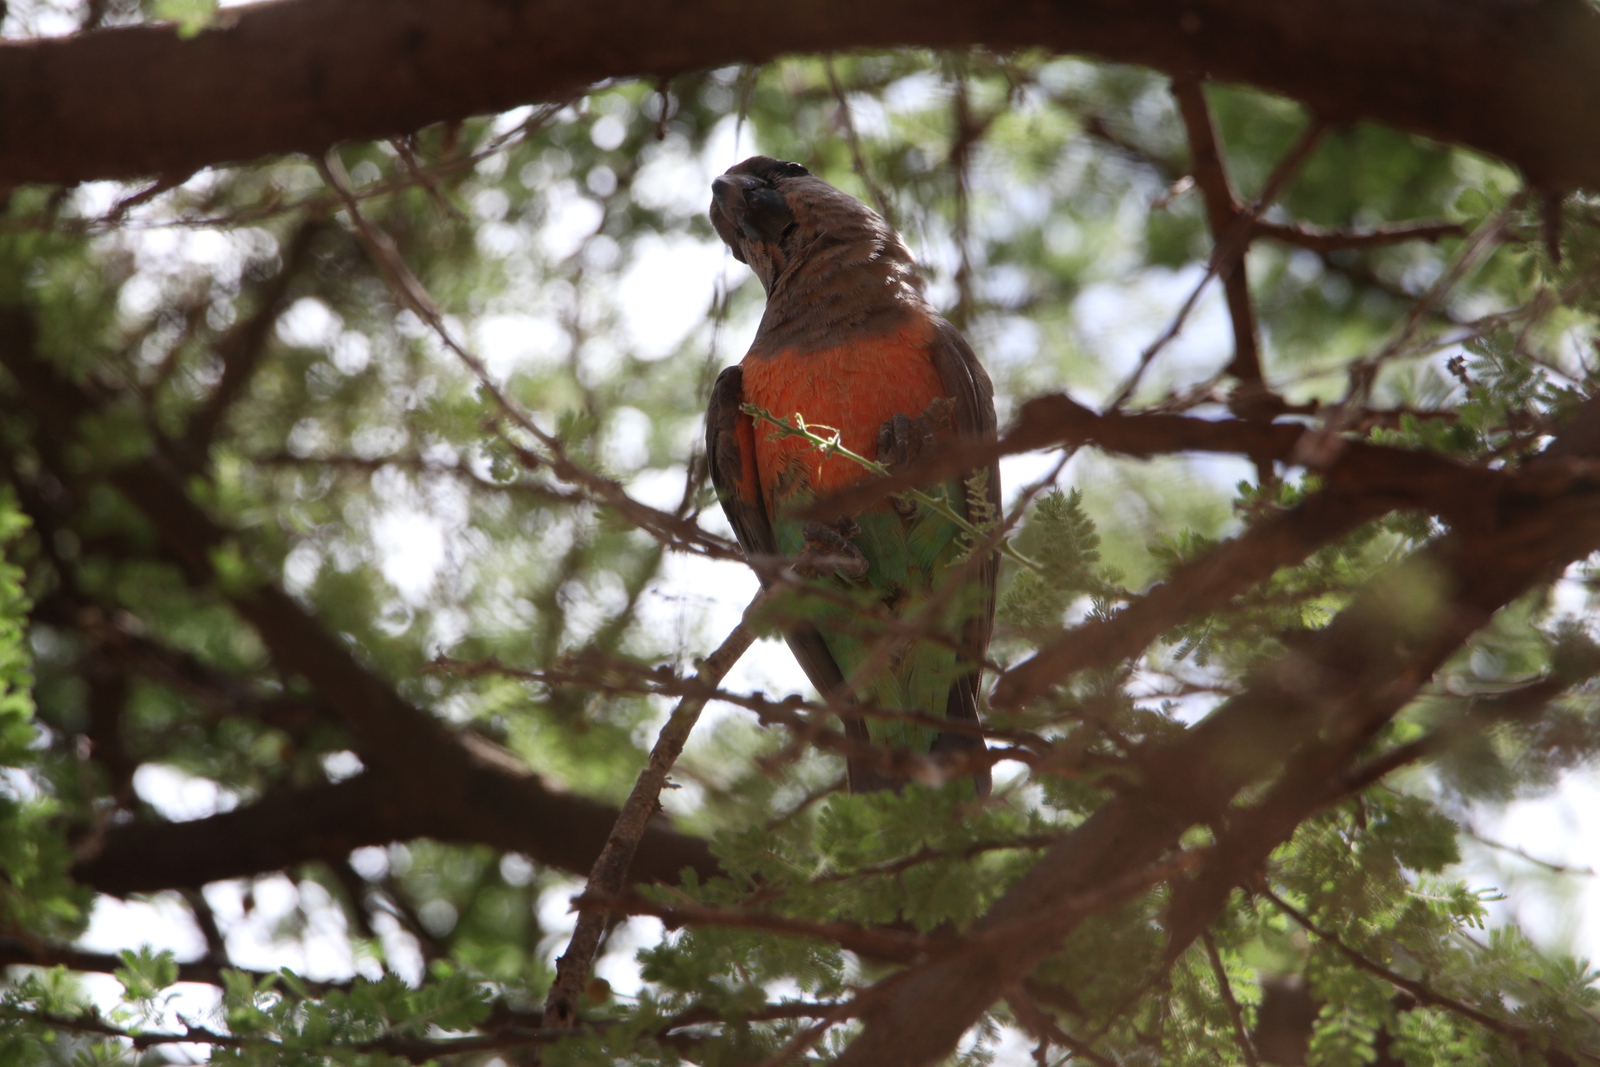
x,y
1317,778
1363,481
217,692
389,731
479,799
1515,79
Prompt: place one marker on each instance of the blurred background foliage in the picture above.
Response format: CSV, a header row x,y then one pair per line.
x,y
234,324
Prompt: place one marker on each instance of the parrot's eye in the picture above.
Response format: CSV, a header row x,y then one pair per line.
x,y
789,170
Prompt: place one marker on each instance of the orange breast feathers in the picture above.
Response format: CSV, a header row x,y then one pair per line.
x,y
854,388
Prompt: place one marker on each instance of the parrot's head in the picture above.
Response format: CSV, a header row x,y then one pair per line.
x,y
778,217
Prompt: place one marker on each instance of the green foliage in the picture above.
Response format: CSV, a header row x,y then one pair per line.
x,y
192,16
271,1020
1061,538
35,892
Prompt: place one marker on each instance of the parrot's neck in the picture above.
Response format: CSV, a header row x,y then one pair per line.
x,y
859,289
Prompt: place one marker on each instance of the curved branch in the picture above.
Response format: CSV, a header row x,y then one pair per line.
x,y
471,800
1508,77
35,953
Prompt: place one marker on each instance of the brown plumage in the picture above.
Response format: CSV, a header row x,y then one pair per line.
x,y
848,341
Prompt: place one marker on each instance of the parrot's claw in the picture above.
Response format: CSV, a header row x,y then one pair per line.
x,y
903,440
828,548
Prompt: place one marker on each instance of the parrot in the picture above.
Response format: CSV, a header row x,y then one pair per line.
x,y
848,342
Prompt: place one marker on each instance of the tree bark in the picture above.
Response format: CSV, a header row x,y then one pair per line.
x,y
1514,78
455,799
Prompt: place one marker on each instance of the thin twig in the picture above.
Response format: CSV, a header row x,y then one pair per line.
x,y
408,157
1241,1034
207,969
422,1050
1363,372
610,870
1037,1021
893,762
853,142
1318,239
810,1036
830,444
620,676
1420,990
965,135
1554,868
921,856
671,530
273,205
120,209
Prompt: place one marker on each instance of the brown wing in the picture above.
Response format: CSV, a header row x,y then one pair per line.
x,y
968,384
730,446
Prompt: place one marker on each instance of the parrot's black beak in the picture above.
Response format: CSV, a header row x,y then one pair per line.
x,y
746,208
728,189
728,207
